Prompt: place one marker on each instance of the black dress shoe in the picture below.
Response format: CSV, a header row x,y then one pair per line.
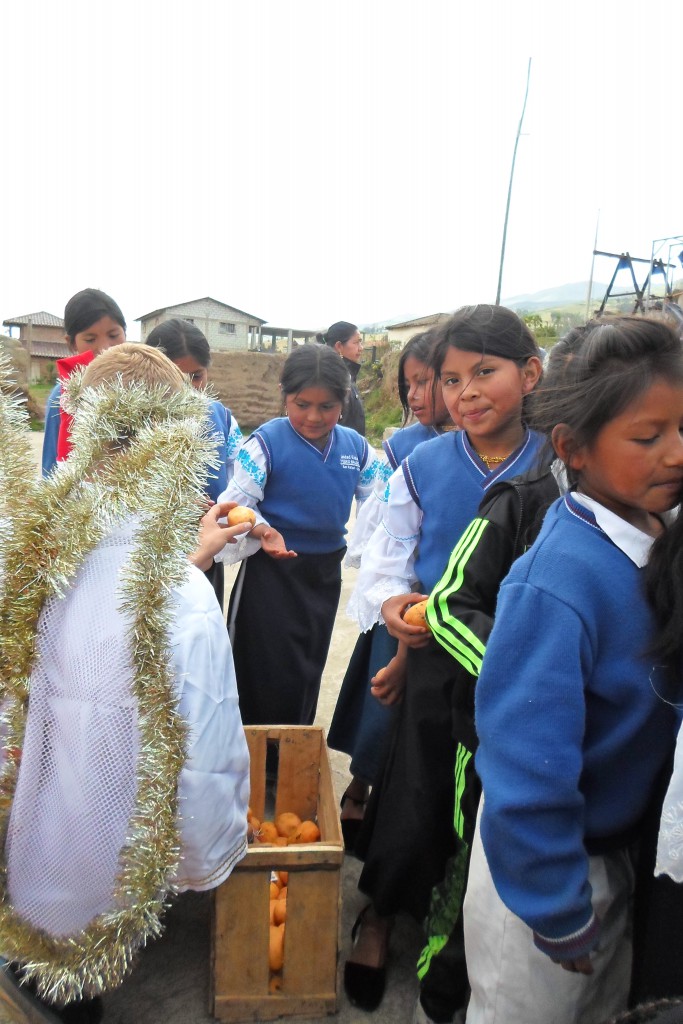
x,y
364,985
350,827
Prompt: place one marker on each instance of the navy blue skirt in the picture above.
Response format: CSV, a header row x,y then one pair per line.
x,y
361,725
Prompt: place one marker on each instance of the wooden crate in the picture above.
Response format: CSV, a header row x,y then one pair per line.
x,y
240,926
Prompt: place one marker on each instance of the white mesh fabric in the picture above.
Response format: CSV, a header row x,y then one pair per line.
x,y
77,780
76,786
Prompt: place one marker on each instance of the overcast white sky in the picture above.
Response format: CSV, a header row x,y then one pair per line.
x,y
315,161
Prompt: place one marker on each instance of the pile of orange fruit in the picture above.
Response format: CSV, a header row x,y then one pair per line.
x,y
287,830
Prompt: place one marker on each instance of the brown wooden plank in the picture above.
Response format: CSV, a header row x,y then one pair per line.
x,y
256,741
328,810
235,1010
241,934
298,778
311,934
286,858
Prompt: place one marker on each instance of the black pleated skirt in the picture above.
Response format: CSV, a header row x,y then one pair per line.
x,y
283,628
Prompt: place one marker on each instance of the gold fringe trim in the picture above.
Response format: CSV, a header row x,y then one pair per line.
x,y
159,478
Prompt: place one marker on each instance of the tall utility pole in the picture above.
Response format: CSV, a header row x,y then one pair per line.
x,y
512,173
589,296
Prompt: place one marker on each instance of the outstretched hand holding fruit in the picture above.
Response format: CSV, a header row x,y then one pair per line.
x,y
394,611
214,535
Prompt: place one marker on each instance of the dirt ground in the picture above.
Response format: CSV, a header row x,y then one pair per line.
x,y
170,984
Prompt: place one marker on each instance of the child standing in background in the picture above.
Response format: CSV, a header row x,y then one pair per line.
x,y
346,340
486,362
360,723
300,474
572,733
92,323
186,346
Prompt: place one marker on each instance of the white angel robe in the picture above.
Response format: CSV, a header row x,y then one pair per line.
x,y
77,783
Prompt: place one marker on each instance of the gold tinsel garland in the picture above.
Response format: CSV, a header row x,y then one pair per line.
x,y
157,477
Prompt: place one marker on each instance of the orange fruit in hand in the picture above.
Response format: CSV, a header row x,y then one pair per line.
x,y
307,832
276,947
241,514
415,615
287,823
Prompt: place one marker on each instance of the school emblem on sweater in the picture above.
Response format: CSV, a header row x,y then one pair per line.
x,y
349,462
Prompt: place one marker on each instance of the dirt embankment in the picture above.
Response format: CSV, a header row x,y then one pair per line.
x,y
248,383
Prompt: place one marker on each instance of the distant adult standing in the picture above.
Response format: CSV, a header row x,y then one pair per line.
x,y
346,339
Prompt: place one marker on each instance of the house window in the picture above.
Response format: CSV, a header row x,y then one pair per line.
x,y
226,328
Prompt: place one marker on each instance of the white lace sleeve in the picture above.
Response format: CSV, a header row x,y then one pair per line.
x,y
368,475
670,843
369,515
234,443
246,488
387,566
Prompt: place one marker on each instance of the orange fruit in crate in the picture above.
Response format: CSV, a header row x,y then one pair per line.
x,y
283,876
287,823
281,841
279,911
272,910
283,893
267,832
274,984
276,947
307,832
274,891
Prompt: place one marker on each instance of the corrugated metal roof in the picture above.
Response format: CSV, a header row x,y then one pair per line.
x,y
191,302
41,319
421,321
49,349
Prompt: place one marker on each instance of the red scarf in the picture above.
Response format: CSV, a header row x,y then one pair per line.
x,y
65,367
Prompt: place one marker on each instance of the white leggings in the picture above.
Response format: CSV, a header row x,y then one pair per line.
x,y
514,983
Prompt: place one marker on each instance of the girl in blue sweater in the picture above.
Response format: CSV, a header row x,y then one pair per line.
x,y
186,346
360,723
485,361
300,474
572,734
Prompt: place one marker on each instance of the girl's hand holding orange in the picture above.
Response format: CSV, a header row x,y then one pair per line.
x,y
393,611
214,535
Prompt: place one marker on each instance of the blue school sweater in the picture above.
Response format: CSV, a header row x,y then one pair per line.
x,y
308,493
221,418
572,735
52,420
401,444
447,480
